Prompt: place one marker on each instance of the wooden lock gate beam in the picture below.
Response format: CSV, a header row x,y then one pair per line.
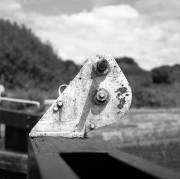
x,y
61,158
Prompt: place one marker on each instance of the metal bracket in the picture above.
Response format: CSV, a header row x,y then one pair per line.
x,y
98,96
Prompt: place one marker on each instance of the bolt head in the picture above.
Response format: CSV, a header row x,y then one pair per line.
x,y
55,109
101,95
92,126
60,103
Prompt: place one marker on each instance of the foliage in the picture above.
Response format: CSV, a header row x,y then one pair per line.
x,y
166,74
27,63
157,96
135,75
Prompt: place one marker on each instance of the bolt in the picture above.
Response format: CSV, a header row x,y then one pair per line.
x,y
92,126
102,65
101,95
55,109
59,103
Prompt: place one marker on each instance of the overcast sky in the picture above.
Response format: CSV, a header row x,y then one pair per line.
x,y
147,30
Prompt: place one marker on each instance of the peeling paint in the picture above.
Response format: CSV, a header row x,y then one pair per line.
x,y
121,103
122,90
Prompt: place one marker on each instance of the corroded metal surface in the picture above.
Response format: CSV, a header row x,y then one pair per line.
x,y
98,96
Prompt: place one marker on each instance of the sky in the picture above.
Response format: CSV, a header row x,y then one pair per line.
x,y
146,30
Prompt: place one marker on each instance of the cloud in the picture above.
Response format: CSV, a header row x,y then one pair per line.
x,y
11,10
116,12
159,8
10,5
102,2
121,30
83,34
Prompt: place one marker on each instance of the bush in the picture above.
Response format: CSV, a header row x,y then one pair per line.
x,y
157,96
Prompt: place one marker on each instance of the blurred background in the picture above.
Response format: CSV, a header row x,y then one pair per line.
x,y
44,43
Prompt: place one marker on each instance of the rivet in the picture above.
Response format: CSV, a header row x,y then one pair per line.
x,y
60,103
55,109
92,126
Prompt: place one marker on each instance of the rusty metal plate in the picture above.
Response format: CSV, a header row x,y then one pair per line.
x,y
98,96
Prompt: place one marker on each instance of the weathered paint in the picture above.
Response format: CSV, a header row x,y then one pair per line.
x,y
121,103
122,90
122,100
80,110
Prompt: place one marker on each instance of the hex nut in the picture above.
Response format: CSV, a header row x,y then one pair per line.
x,y
101,67
101,96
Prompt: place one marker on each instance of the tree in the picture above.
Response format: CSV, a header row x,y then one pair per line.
x,y
26,62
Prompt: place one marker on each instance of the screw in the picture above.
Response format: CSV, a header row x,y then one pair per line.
x,y
55,109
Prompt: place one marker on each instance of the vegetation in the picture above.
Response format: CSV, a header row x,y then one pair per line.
x,y
27,63
31,70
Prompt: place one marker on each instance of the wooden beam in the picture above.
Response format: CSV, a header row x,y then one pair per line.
x,y
47,166
86,158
